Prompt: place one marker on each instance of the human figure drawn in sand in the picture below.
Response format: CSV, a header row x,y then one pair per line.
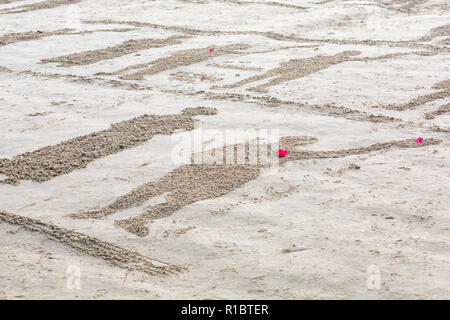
x,y
194,182
178,59
296,68
52,161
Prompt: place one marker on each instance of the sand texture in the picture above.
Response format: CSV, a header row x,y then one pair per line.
x,y
99,99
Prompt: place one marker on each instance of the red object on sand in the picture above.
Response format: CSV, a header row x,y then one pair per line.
x,y
282,153
211,50
419,140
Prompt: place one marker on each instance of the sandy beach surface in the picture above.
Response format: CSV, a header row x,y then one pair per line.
x,y
95,97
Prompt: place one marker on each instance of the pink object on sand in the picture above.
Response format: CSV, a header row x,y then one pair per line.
x,y
282,153
419,140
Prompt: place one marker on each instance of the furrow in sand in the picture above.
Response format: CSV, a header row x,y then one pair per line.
x,y
35,35
116,256
49,4
52,161
127,47
194,182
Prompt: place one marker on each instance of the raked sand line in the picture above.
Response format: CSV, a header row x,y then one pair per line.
x,y
35,35
52,161
126,47
49,4
116,256
194,182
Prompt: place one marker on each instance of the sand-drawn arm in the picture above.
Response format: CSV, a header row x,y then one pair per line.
x,y
195,182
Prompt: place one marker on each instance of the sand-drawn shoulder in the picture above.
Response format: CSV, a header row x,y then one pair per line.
x,y
52,161
194,182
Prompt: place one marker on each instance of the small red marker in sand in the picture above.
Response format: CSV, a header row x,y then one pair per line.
x,y
419,140
203,78
211,49
282,153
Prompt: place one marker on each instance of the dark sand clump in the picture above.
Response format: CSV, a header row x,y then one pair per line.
x,y
94,247
52,161
194,182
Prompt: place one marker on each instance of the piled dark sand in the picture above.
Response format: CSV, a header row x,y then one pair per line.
x,y
52,161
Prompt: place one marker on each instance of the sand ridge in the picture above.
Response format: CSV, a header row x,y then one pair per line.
x,y
116,256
